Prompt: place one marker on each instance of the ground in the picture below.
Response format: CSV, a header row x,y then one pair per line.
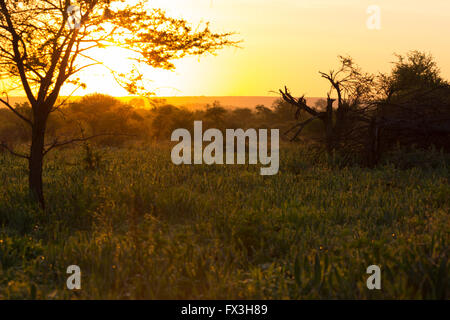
x,y
140,227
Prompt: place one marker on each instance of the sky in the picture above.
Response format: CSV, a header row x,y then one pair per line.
x,y
286,42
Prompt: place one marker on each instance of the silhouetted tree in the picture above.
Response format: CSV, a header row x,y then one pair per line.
x,y
352,87
40,52
410,105
414,105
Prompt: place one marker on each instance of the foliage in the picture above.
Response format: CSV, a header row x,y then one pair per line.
x,y
414,109
99,114
42,52
414,71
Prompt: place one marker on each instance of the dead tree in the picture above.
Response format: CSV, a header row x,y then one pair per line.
x,y
325,116
352,88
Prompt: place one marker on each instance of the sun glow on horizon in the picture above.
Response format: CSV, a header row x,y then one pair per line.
x,y
285,42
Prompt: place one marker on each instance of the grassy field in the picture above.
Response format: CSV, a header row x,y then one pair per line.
x,y
140,227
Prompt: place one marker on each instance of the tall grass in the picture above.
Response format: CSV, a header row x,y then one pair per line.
x,y
140,227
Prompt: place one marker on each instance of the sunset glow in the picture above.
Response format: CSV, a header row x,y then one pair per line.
x,y
229,158
287,42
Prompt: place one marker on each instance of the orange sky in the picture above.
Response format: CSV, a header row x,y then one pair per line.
x,y
286,42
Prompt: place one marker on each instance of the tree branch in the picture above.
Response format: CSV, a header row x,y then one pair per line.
x,y
57,144
3,145
16,112
300,103
301,126
18,58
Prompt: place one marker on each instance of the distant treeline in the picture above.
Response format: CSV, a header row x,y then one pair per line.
x,y
117,122
373,114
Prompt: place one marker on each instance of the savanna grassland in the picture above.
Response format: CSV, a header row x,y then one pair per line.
x,y
140,227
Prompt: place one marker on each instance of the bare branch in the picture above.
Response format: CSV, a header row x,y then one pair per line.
x,y
3,145
301,126
57,144
16,112
299,103
19,59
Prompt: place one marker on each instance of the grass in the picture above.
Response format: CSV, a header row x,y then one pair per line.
x,y
140,227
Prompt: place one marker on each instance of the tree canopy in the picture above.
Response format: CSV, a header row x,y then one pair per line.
x,y
40,51
44,44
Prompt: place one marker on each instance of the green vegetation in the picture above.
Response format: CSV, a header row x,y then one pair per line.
x,y
141,227
98,114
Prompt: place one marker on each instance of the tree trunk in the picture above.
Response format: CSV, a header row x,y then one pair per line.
x,y
35,162
373,144
328,122
340,125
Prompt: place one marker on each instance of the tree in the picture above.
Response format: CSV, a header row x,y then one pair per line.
x,y
411,72
352,87
414,105
44,44
215,115
410,105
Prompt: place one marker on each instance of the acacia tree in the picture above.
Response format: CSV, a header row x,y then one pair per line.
x,y
44,44
413,107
